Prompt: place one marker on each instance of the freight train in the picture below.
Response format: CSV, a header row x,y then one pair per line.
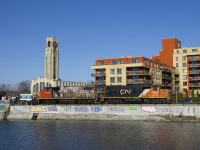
x,y
140,93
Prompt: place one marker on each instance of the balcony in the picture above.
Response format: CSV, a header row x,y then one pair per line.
x,y
194,85
100,91
137,81
166,84
176,72
176,85
165,69
194,65
194,72
102,82
166,77
176,79
194,59
194,78
98,75
130,73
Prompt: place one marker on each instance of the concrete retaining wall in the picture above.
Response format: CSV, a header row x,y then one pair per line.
x,y
125,112
4,110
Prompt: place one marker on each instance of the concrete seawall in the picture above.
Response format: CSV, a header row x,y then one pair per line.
x,y
4,111
190,113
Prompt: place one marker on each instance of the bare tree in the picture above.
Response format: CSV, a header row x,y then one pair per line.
x,y
24,86
5,87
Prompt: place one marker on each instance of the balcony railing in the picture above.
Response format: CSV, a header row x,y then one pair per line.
x,y
135,81
165,69
194,72
194,78
176,72
128,73
100,91
103,82
194,65
98,74
194,85
194,59
166,84
176,85
167,77
176,79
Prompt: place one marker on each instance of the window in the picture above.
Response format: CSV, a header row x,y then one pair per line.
x,y
119,79
112,71
184,77
184,83
120,61
135,61
194,50
112,79
49,43
177,51
119,71
100,62
184,51
184,71
184,64
113,62
176,58
176,65
184,58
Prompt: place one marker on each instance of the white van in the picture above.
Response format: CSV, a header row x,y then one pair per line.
x,y
26,98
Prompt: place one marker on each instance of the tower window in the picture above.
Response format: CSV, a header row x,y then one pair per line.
x,y
49,43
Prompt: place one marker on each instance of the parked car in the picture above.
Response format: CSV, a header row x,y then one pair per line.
x,y
185,101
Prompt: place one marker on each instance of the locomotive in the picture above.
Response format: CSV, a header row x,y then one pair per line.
x,y
117,94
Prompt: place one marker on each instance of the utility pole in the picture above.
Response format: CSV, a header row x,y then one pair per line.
x,y
176,93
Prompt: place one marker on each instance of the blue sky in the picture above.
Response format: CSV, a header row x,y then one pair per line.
x,y
88,30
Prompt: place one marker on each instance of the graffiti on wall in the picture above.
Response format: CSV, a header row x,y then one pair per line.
x,y
52,108
20,108
148,109
68,108
116,109
44,109
96,108
81,109
163,109
133,108
39,109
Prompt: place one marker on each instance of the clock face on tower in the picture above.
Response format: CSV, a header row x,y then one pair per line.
x,y
54,44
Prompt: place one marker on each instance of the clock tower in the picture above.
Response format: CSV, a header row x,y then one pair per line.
x,y
51,70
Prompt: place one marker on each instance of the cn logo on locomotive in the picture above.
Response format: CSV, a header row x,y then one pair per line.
x,y
125,91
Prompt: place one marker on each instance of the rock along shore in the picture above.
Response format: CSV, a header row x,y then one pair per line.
x,y
187,113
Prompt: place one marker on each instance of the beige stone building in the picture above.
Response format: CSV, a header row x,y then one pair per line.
x,y
51,70
187,63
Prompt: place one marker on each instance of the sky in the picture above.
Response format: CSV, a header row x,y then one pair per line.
x,y
88,30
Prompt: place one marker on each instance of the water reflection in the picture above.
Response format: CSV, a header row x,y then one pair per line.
x,y
76,134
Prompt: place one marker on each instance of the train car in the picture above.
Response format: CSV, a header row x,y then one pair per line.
x,y
140,93
66,95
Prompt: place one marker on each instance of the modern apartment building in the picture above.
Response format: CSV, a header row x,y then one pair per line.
x,y
166,54
132,70
187,62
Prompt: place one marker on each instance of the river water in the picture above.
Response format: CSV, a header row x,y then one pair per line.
x,y
98,135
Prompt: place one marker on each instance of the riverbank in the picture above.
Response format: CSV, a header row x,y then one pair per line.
x,y
188,113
